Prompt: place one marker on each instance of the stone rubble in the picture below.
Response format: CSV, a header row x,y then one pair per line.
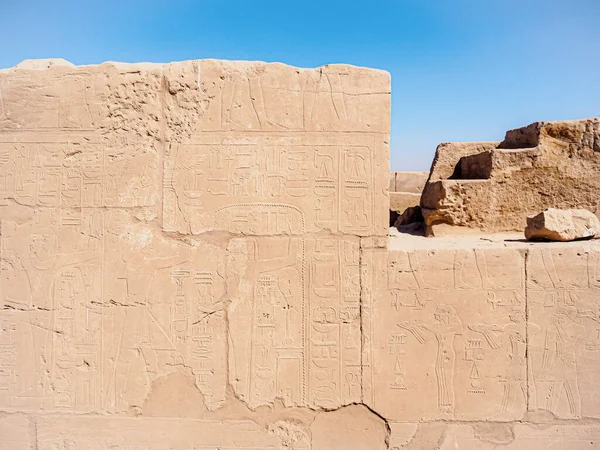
x,y
563,225
495,186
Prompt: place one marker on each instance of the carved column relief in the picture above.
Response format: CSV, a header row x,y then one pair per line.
x,y
564,320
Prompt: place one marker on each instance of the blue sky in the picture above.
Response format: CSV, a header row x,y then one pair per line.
x,y
462,70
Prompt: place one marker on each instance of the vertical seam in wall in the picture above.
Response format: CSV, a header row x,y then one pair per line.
x,y
304,395
360,317
33,431
527,362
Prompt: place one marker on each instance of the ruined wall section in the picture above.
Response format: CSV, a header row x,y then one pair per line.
x,y
189,229
495,186
471,344
196,255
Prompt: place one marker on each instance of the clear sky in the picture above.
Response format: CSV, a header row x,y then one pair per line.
x,y
462,70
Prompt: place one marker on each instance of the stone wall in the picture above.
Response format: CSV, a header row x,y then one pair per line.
x,y
195,255
405,192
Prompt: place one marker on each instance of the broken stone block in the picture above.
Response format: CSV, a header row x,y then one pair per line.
x,y
495,186
441,321
563,225
410,215
405,197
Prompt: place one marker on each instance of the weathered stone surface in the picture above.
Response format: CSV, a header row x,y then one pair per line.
x,y
412,182
411,215
488,436
294,320
355,428
405,196
128,433
15,432
401,201
494,187
281,150
448,154
563,225
444,322
564,341
196,255
93,314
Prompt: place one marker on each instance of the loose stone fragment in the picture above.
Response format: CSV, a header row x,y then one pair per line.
x,y
563,225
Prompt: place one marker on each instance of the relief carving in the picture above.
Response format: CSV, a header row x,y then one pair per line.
x,y
563,306
197,255
450,322
294,320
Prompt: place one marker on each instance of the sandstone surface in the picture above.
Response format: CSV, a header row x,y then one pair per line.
x,y
401,201
405,195
412,182
495,186
197,255
563,225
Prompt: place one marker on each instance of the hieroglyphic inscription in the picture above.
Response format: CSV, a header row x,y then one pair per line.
x,y
37,100
294,320
450,322
51,281
282,151
95,312
564,312
278,98
55,148
274,184
100,303
72,172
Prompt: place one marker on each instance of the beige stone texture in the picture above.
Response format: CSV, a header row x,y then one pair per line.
x,y
405,197
448,154
349,428
294,320
494,187
281,150
492,436
197,255
401,201
412,182
151,433
443,322
563,287
15,432
563,225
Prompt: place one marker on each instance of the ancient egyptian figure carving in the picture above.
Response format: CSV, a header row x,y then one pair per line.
x,y
513,334
445,329
559,360
267,286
